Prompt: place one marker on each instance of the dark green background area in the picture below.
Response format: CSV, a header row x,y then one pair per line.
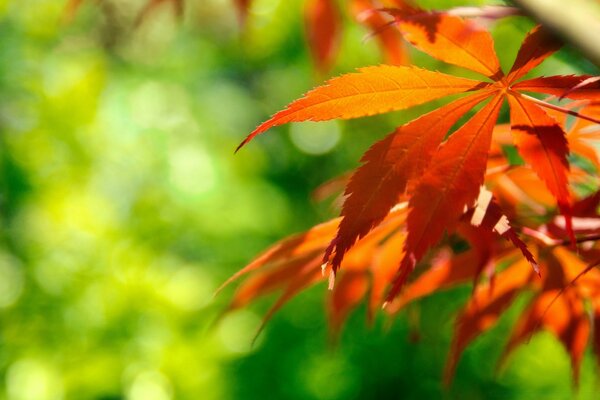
x,y
123,208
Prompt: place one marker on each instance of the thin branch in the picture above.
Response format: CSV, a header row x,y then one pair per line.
x,y
553,242
556,108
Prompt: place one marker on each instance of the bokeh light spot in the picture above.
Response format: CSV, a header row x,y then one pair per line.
x,y
315,138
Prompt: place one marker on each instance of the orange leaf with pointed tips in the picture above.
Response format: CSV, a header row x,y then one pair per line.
x,y
452,40
347,294
370,91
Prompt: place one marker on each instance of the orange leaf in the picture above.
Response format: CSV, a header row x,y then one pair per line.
x,y
450,271
349,291
567,319
584,133
314,240
452,40
323,31
307,276
384,265
372,90
484,309
267,281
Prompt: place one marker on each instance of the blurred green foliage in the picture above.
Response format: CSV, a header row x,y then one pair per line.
x,y
123,208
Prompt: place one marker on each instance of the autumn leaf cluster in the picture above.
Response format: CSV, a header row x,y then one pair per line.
x,y
436,178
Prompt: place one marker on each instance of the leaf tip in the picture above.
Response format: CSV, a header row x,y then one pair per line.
x,y
331,283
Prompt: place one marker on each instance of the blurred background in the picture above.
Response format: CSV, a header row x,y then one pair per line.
x,y
123,208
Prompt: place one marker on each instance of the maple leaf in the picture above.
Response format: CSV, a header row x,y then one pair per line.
x,y
439,181
444,178
370,265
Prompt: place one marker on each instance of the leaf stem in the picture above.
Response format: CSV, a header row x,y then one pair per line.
x,y
549,241
555,107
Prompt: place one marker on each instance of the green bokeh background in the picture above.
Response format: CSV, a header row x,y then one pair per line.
x,y
122,209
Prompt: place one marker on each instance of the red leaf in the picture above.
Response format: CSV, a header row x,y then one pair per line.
x,y
538,45
542,144
270,280
388,166
323,31
445,273
384,265
452,182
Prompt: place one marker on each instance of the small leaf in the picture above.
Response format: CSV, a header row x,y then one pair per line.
x,y
323,31
350,289
314,240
